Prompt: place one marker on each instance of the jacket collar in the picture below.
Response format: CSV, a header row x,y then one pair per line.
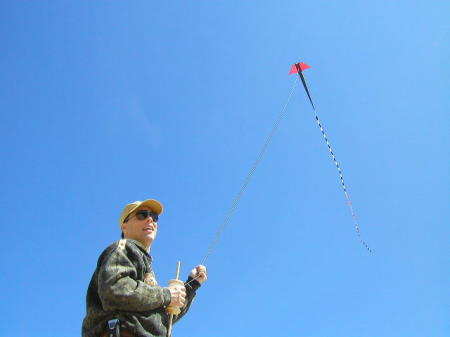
x,y
139,245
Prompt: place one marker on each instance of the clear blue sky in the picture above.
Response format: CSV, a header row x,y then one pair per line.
x,y
107,102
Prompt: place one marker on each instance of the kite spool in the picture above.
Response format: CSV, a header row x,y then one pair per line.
x,y
172,310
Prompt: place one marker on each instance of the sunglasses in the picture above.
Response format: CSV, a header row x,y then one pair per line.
x,y
144,214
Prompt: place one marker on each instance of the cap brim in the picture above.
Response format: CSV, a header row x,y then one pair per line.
x,y
153,204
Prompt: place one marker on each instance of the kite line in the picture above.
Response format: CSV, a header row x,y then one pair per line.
x,y
237,198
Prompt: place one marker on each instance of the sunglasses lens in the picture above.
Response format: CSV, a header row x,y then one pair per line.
x,y
154,217
142,215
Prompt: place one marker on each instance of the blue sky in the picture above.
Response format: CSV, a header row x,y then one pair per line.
x,y
107,102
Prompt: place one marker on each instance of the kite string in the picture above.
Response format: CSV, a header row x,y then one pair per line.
x,y
249,177
344,187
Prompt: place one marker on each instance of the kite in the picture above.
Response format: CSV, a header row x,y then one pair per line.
x,y
298,68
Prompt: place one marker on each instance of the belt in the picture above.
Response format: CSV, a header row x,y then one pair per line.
x,y
123,333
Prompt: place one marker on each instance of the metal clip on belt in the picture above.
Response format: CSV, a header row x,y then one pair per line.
x,y
114,328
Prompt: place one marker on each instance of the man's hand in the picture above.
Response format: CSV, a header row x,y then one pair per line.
x,y
178,295
199,273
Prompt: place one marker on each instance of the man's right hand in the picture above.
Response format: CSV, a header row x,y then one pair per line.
x,y
178,295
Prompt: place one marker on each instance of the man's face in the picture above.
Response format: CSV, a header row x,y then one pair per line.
x,y
143,231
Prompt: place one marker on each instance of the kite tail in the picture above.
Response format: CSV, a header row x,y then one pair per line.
x,y
341,177
355,221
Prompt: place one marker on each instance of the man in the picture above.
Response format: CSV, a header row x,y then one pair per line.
x,y
123,293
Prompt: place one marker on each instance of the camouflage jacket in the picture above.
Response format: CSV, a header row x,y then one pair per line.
x,y
123,286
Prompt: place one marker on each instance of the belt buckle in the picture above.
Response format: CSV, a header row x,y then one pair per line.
x,y
113,323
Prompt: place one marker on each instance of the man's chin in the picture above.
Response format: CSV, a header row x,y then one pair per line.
x,y
145,240
149,238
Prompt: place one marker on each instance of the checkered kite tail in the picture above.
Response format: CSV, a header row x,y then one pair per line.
x,y
344,187
298,68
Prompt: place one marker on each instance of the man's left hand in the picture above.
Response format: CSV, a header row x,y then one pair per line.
x,y
199,273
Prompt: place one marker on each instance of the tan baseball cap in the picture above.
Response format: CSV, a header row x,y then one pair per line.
x,y
154,205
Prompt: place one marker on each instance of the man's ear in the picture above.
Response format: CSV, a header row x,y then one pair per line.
x,y
123,227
